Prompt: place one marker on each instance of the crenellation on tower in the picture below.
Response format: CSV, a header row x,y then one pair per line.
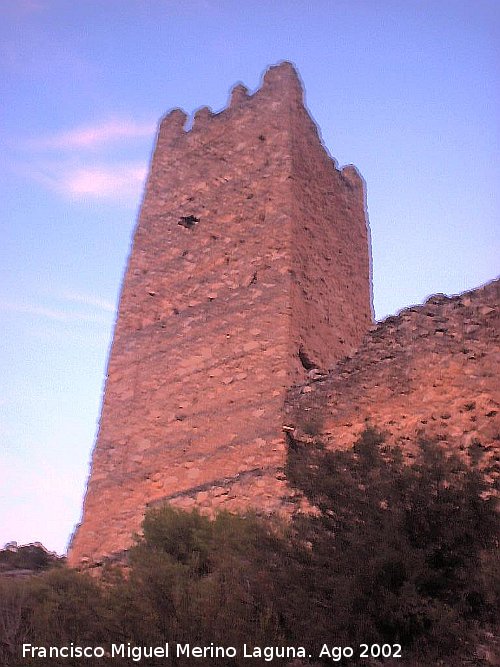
x,y
172,126
250,247
201,119
239,94
282,79
354,178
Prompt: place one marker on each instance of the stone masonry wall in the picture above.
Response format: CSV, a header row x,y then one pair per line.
x,y
431,371
250,258
331,284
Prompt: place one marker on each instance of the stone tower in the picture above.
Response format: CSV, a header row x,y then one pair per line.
x,y
250,264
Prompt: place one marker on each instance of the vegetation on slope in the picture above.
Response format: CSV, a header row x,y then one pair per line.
x,y
393,554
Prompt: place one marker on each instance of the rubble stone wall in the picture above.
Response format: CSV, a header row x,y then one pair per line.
x,y
429,372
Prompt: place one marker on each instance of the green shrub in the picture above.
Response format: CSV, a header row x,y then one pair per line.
x,y
393,553
396,553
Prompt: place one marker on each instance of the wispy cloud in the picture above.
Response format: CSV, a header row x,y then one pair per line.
x,y
104,181
114,181
95,136
32,5
51,313
61,162
97,311
25,7
88,300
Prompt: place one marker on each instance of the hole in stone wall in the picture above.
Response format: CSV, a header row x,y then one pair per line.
x,y
188,221
305,360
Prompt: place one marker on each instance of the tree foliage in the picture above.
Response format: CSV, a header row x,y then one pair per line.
x,y
391,553
396,553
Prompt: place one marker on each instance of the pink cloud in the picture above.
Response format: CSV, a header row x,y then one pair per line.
x,y
24,7
104,181
121,182
72,173
92,136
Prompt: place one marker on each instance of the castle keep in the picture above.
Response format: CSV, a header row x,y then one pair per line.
x,y
250,266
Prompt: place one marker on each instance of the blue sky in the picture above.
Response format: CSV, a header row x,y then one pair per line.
x,y
407,90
